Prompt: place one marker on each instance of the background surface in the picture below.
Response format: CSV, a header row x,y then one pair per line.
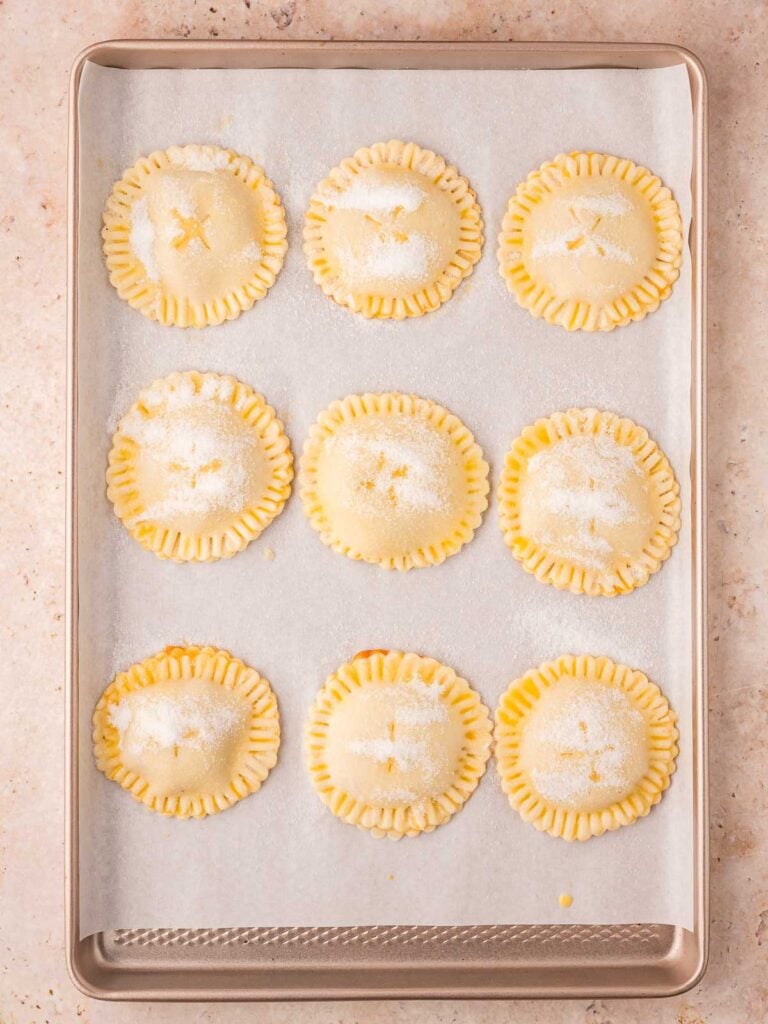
x,y
39,46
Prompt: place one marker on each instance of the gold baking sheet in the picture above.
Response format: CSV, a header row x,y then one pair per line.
x,y
122,951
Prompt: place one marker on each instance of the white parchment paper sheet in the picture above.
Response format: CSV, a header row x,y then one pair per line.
x,y
279,857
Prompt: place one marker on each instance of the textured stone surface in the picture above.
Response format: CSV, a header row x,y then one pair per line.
x,y
40,42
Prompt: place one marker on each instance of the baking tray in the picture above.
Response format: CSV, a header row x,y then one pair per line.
x,y
388,962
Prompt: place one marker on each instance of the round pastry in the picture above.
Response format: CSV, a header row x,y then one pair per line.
x,y
591,242
589,503
396,743
199,467
193,235
188,732
392,231
393,479
584,746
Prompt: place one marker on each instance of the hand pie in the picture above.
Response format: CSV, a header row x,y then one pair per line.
x,y
396,743
584,745
199,467
193,235
392,231
393,479
188,732
589,503
591,242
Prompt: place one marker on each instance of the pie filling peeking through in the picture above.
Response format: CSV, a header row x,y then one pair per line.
x,y
392,231
589,503
393,479
584,745
396,743
193,235
591,242
188,732
199,467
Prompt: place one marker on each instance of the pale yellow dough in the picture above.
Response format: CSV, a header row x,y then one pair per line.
x,y
584,745
199,467
193,235
589,503
396,743
392,231
393,479
591,242
188,732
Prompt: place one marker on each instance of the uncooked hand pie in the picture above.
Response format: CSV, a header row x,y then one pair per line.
x,y
393,479
193,235
396,743
188,732
584,745
589,503
199,467
392,231
591,242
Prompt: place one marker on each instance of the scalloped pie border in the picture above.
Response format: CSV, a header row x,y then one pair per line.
x,y
559,572
516,705
220,669
246,524
354,407
423,300
382,668
127,273
649,292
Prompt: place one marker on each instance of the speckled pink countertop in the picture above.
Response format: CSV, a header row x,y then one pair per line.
x,y
40,42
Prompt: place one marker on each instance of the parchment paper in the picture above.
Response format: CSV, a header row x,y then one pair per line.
x,y
279,857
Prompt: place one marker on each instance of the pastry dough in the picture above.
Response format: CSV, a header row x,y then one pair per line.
x,y
188,732
589,503
393,479
392,231
584,745
193,235
591,242
199,467
396,743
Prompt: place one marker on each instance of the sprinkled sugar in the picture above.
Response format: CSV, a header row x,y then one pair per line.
x,y
582,239
146,719
384,198
142,238
421,704
174,197
593,245
395,254
174,194
204,461
199,161
592,499
610,508
251,253
590,736
598,456
407,754
586,549
395,260
607,204
205,471
402,468
407,708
